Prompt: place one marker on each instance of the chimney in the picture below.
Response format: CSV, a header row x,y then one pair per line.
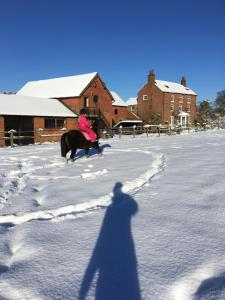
x,y
151,77
183,81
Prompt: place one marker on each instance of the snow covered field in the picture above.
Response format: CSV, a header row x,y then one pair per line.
x,y
146,220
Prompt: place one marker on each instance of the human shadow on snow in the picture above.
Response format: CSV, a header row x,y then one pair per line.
x,y
114,258
211,288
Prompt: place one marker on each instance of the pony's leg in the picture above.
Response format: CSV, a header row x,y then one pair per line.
x,y
86,152
72,154
99,149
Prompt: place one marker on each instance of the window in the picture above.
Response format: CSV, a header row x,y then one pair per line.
x,y
171,120
95,99
116,111
188,104
180,103
60,123
54,123
132,107
180,107
145,97
86,102
171,107
172,103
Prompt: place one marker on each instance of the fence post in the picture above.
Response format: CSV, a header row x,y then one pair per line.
x,y
159,129
104,132
134,130
11,132
120,131
146,130
40,131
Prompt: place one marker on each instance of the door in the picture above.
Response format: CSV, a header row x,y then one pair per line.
x,y
23,126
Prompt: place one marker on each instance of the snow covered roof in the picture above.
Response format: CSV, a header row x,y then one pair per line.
x,y
173,87
183,114
118,101
33,106
70,86
126,122
132,101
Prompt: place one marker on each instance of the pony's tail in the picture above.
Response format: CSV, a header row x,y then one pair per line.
x,y
64,147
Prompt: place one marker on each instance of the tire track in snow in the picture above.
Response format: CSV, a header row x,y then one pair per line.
x,y
84,208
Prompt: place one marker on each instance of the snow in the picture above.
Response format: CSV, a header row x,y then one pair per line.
x,y
132,101
173,87
18,105
143,221
118,100
70,86
183,114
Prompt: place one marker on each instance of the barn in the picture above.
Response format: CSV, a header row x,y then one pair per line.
x,y
76,92
30,116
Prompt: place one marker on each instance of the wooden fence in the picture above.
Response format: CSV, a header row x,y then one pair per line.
x,y
12,137
40,136
149,129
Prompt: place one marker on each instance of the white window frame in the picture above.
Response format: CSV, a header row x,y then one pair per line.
x,y
172,121
172,103
145,97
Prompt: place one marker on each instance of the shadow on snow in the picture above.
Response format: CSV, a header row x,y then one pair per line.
x,y
113,257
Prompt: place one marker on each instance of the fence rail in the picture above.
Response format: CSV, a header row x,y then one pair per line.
x,y
39,135
43,135
149,129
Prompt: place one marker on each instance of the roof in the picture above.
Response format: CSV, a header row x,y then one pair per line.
x,y
33,106
118,101
62,87
132,101
183,114
173,87
135,122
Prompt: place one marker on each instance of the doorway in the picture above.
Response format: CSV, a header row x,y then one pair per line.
x,y
24,127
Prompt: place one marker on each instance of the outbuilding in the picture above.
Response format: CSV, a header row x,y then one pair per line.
x,y
28,116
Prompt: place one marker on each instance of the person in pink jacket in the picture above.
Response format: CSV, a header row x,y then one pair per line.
x,y
85,126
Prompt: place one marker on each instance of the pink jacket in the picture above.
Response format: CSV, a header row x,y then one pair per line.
x,y
83,123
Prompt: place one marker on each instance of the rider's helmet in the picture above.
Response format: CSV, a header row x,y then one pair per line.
x,y
83,111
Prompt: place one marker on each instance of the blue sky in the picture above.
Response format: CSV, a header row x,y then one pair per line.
x,y
122,40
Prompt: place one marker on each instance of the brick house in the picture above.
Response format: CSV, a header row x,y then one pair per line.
x,y
120,110
166,102
132,105
28,114
76,92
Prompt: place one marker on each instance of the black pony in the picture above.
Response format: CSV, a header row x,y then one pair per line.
x,y
73,140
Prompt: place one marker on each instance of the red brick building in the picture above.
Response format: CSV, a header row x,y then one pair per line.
x,y
132,105
166,102
27,115
120,110
76,92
